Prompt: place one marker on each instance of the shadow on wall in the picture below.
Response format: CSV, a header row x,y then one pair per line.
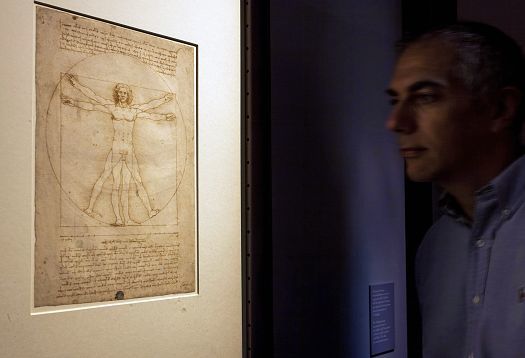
x,y
337,182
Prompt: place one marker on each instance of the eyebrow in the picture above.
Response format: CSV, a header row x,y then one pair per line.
x,y
417,86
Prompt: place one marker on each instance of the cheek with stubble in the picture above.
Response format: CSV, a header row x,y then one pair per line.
x,y
424,162
424,168
441,160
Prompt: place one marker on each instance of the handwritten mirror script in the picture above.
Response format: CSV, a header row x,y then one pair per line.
x,y
115,165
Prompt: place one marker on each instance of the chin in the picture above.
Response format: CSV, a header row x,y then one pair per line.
x,y
420,175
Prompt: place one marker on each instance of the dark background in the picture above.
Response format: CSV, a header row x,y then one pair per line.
x,y
328,209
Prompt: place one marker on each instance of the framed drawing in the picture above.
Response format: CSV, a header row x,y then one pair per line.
x,y
121,186
115,177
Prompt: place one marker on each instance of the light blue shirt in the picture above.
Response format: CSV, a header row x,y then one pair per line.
x,y
471,276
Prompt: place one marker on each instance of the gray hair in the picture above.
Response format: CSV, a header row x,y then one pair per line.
x,y
486,58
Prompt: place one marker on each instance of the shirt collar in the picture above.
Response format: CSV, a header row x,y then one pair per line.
x,y
508,188
449,206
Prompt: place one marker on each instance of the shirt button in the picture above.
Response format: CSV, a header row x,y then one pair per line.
x,y
505,212
471,355
476,299
480,243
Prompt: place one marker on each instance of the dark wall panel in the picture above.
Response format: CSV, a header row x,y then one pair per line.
x,y
337,181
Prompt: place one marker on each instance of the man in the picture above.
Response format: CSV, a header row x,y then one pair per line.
x,y
121,160
457,109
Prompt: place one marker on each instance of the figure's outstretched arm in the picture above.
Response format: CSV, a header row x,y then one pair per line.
x,y
86,91
155,102
84,105
157,116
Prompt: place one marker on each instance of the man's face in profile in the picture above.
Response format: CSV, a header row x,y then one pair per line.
x,y
439,123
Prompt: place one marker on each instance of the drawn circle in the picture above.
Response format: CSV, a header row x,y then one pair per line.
x,y
80,140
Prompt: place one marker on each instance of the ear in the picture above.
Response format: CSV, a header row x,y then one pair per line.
x,y
508,102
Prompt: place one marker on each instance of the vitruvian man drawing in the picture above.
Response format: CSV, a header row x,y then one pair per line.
x,y
115,162
121,161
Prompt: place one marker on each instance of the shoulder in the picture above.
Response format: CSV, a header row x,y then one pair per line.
x,y
444,231
447,240
441,228
431,239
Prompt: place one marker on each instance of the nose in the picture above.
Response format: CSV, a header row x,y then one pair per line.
x,y
401,120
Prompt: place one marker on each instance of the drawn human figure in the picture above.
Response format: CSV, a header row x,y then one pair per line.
x,y
121,161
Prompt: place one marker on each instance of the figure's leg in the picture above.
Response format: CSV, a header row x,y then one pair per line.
x,y
117,169
97,188
126,178
140,188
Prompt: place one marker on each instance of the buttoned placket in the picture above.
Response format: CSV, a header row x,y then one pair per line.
x,y
486,313
486,220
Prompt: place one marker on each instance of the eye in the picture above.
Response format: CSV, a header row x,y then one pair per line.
x,y
425,98
393,101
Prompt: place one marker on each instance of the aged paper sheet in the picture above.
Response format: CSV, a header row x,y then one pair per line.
x,y
115,162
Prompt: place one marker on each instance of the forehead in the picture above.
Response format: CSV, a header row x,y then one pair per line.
x,y
431,61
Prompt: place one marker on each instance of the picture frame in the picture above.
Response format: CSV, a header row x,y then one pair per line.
x,y
206,323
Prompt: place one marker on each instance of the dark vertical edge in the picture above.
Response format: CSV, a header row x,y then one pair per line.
x,y
418,218
244,267
420,198
257,193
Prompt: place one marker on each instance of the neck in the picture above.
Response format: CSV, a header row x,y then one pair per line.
x,y
484,169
